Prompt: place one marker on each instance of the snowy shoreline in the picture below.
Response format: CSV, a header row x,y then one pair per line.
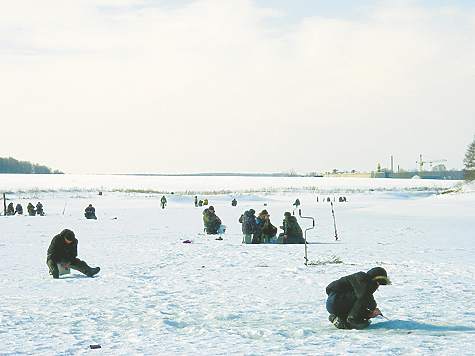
x,y
211,184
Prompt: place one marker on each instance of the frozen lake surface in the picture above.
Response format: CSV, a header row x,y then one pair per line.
x,y
156,295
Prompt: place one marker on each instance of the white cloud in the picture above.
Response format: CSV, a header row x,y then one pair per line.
x,y
209,86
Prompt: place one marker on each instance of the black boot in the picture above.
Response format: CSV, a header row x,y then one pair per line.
x,y
357,324
93,271
337,321
358,317
84,268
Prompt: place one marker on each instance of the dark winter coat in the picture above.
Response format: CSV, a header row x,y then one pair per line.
x,y
293,231
359,284
19,209
31,209
90,212
39,208
249,223
10,209
59,250
266,226
211,221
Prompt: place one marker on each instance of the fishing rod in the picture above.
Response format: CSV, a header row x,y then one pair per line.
x,y
334,222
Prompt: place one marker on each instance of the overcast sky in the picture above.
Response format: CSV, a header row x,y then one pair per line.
x,y
250,86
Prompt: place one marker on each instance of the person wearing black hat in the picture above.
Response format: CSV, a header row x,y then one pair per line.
x,y
292,232
350,299
211,222
90,212
64,249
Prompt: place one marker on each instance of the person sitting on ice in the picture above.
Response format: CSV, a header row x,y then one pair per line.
x,y
19,209
292,232
10,209
90,212
64,249
350,299
211,222
234,202
250,228
297,203
39,209
31,209
268,230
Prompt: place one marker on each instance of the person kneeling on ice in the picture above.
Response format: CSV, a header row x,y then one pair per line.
x,y
292,232
350,299
211,221
64,249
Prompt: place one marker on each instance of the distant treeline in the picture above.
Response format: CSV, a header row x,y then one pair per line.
x,y
11,165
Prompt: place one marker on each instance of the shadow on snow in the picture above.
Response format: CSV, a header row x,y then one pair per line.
x,y
408,325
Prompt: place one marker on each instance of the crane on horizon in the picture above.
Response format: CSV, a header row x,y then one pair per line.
x,y
430,161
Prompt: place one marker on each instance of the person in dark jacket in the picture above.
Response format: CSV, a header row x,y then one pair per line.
x,y
31,209
10,209
250,226
19,209
39,209
297,203
90,212
211,222
268,230
350,299
292,232
64,249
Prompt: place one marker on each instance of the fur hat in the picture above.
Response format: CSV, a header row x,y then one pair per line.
x,y
379,274
264,212
384,281
287,214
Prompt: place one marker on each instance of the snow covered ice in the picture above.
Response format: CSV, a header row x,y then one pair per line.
x,y
156,295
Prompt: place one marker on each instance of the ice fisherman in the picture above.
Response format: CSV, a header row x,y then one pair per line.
x,y
163,202
19,209
268,230
39,209
31,209
292,232
10,209
90,212
350,299
211,222
64,249
250,228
